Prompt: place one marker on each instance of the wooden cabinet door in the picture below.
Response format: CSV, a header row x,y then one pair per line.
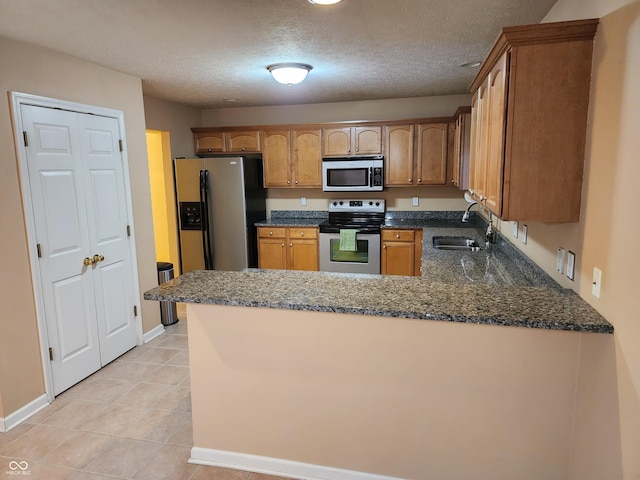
x,y
401,252
303,255
431,160
303,249
479,131
272,253
307,158
238,142
398,155
337,141
367,140
398,258
209,142
496,113
276,158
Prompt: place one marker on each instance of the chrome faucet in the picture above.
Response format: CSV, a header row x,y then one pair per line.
x,y
490,235
465,217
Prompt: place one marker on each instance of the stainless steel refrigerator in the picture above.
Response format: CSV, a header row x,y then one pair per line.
x,y
219,201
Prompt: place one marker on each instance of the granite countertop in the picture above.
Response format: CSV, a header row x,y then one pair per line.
x,y
385,295
496,286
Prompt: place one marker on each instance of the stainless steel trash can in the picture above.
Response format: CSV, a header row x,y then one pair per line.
x,y
168,310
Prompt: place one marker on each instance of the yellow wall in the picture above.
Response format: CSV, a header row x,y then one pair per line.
x,y
39,71
158,195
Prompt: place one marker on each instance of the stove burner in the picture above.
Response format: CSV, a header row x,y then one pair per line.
x,y
364,216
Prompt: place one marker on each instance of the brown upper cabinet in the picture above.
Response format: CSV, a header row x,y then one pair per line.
x,y
224,141
431,153
398,155
356,140
529,117
416,154
292,158
460,145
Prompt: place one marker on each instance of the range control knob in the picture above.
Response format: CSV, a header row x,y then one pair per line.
x,y
335,203
377,204
341,202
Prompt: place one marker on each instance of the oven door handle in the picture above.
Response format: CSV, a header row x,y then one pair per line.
x,y
370,177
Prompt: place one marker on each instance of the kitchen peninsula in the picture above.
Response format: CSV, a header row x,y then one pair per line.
x,y
349,376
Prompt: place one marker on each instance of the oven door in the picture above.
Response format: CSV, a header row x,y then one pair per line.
x,y
365,259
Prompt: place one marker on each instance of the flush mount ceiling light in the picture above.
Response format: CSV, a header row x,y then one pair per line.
x,y
324,2
289,73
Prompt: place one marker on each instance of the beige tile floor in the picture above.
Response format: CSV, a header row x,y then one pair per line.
x,y
129,420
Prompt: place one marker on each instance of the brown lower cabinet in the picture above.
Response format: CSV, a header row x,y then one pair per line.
x,y
401,252
288,248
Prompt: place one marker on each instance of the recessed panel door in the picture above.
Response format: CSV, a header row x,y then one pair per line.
x,y
107,222
60,214
77,184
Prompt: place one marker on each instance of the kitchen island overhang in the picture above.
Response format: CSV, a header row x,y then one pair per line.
x,y
344,393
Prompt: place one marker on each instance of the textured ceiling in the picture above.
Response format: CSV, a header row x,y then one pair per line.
x,y
201,52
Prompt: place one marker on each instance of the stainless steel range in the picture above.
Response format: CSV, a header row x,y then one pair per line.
x,y
362,217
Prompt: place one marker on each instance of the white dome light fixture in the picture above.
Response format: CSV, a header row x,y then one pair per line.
x,y
324,2
289,73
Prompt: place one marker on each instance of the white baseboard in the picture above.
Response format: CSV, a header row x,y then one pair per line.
x,y
277,466
16,418
153,333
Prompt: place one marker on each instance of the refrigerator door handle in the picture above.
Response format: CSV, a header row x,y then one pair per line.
x,y
208,251
205,219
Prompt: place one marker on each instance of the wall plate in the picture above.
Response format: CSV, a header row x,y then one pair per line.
x,y
560,260
597,282
514,229
571,264
525,230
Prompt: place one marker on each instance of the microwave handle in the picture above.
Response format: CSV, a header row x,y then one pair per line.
x,y
371,177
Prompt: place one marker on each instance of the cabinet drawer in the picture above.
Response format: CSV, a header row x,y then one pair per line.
x,y
271,232
303,233
398,235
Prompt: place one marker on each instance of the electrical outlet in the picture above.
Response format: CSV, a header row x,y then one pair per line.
x,y
597,282
514,229
560,260
415,201
303,201
571,264
524,234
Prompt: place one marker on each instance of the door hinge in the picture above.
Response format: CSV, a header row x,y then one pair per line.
x,y
51,354
39,250
128,231
26,139
120,144
135,310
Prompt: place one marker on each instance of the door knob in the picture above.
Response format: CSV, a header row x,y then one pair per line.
x,y
87,261
97,258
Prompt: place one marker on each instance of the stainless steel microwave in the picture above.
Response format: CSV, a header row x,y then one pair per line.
x,y
353,174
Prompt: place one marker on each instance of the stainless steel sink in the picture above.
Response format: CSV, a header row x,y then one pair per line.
x,y
456,243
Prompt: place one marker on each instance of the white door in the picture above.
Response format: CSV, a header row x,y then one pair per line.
x,y
76,180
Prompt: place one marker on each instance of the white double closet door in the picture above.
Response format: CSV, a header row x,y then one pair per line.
x,y
78,197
